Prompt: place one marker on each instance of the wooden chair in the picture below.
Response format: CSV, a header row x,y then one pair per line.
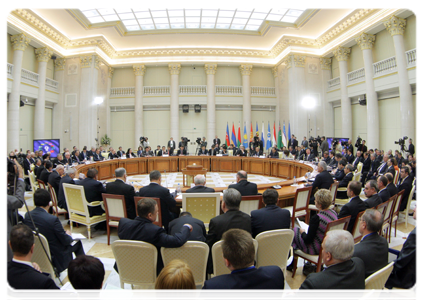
x,y
395,214
300,207
333,189
115,207
41,184
382,208
158,221
250,203
377,280
356,233
39,256
56,210
386,227
33,182
407,208
317,259
203,206
396,177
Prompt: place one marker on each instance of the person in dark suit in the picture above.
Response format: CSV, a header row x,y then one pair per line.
x,y
57,160
350,157
333,162
273,153
164,151
391,186
91,152
366,167
97,155
323,180
54,178
21,273
304,142
358,159
181,151
370,190
243,186
372,249
68,178
345,180
383,167
216,141
171,144
411,147
343,271
93,191
391,163
76,158
309,156
203,151
158,151
119,187
214,150
120,152
238,254
143,229
257,152
83,156
48,168
130,154
198,232
362,147
38,168
241,151
405,183
374,165
404,273
326,158
382,182
167,200
113,154
355,205
200,182
27,164
59,240
271,216
67,160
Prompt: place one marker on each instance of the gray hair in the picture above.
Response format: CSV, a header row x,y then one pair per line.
x,y
70,171
373,219
350,167
232,198
373,184
323,165
339,243
59,167
199,179
119,172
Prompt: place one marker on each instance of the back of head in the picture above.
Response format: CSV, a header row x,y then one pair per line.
x,y
232,198
92,173
242,175
199,179
41,198
48,164
185,213
175,275
339,243
373,219
355,187
384,180
69,171
146,206
21,239
155,175
120,172
323,165
389,177
270,197
86,272
238,248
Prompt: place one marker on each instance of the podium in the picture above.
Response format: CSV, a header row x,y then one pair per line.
x,y
190,172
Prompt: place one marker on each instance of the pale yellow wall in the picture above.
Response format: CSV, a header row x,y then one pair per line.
x,y
157,128
123,77
48,118
410,33
9,50
335,67
359,121
223,117
157,76
26,126
122,129
192,125
29,62
338,122
50,69
384,46
191,76
262,77
355,61
228,76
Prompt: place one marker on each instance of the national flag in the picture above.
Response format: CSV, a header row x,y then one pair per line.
x,y
251,132
269,137
284,141
289,130
239,134
245,142
227,141
280,144
274,140
257,132
233,135
262,132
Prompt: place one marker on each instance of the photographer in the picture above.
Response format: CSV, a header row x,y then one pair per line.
x,y
145,142
16,201
257,142
324,145
314,144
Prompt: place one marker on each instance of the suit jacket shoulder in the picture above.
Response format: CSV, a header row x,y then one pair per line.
x,y
21,276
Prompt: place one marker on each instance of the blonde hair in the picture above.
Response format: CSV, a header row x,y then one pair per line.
x,y
323,197
176,275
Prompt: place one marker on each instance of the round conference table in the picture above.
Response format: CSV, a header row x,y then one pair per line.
x,y
282,168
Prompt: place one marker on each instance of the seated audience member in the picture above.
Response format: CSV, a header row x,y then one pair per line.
x,y
164,151
345,181
170,151
91,152
342,270
76,159
332,162
271,216
373,248
129,153
120,152
203,151
323,180
286,154
383,193
350,157
21,273
326,157
370,190
45,174
383,167
140,151
241,151
214,150
311,241
392,166
374,165
404,273
143,229
177,275
257,152
238,255
158,151
148,152
86,272
200,185
97,155
245,187
358,159
120,187
113,154
181,151
405,183
38,168
273,153
391,186
93,191
55,177
198,232
293,151
309,156
57,160
67,160
68,178
354,206
59,240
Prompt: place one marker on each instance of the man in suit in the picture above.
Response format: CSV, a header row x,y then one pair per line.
x,y
382,182
374,165
113,154
214,150
372,249
271,216
326,158
404,273
181,151
309,156
67,160
243,186
411,150
332,162
343,271
21,273
54,178
167,200
119,187
391,186
304,142
172,144
86,272
406,184
383,167
323,180
273,153
93,191
200,182
391,168
358,159
238,255
350,147
27,164
57,160
48,168
143,229
59,240
97,155
38,168
83,156
324,145
198,232
216,141
91,152
241,151
293,151
203,151
348,170
158,151
355,205
350,157
68,178
76,158
257,152
370,190
120,152
366,167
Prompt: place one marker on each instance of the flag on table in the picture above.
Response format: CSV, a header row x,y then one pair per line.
x,y
239,135
269,137
274,140
245,141
280,144
251,132
284,141
233,135
227,141
262,133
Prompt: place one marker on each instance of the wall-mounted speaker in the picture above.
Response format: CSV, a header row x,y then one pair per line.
x,y
197,108
185,108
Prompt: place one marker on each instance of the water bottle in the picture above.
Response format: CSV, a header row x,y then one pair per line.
x,y
295,180
178,189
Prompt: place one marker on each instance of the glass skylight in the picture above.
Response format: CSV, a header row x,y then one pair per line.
x,y
235,19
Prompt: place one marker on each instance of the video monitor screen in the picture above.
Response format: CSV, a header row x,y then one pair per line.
x,y
48,145
331,139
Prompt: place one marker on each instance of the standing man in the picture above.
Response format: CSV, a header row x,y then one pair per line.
x,y
304,142
172,144
324,146
216,141
410,147
119,187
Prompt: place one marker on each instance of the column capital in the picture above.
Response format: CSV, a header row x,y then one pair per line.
x,y
43,54
20,41
111,71
246,69
342,53
97,62
59,64
210,68
288,61
139,70
86,61
365,40
395,25
299,60
175,69
325,63
275,71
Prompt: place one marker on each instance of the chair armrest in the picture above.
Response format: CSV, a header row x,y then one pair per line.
x,y
393,251
95,203
342,189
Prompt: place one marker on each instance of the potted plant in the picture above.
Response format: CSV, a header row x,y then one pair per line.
x,y
105,140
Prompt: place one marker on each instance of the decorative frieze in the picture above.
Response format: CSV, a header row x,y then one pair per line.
x,y
20,41
111,71
395,25
299,60
365,41
325,63
59,64
210,68
86,61
342,53
246,69
275,71
139,70
175,69
43,54
288,61
97,62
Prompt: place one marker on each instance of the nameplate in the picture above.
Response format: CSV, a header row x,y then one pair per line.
x,y
165,155
219,154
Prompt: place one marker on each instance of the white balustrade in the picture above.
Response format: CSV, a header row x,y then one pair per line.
x,y
335,82
262,91
122,91
52,84
157,90
193,89
29,77
411,58
356,76
228,90
9,71
385,66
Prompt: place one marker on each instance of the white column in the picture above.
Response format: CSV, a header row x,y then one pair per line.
x,y
328,123
342,54
396,27
19,44
277,109
210,69
43,56
109,87
174,70
246,95
59,76
139,71
366,41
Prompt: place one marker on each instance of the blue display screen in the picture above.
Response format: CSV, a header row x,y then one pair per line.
x,y
48,145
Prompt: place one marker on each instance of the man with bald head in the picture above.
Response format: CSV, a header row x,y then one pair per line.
x,y
200,182
54,178
243,186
